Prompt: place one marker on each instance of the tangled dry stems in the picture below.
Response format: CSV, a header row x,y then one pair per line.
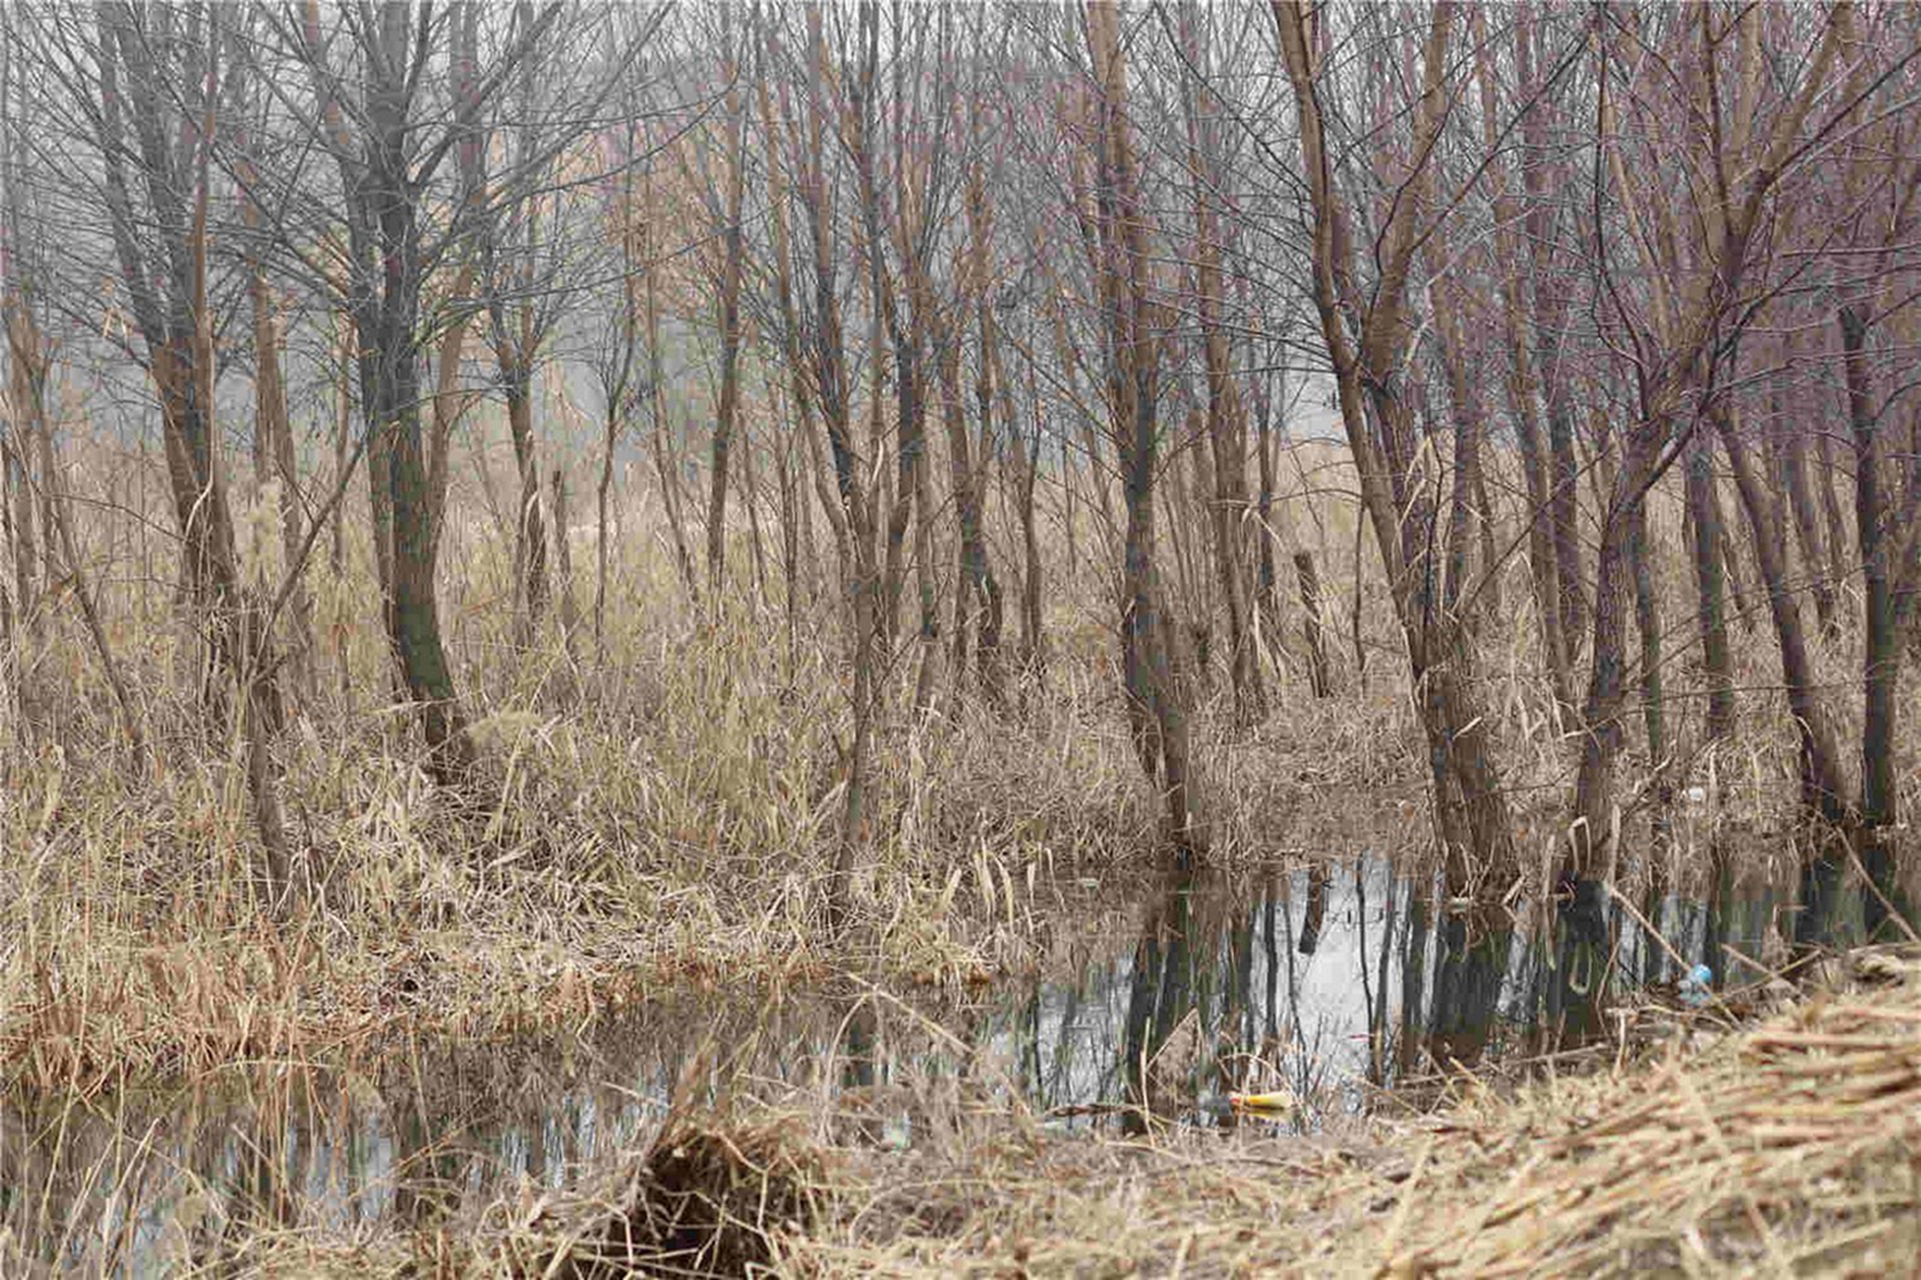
x,y
676,823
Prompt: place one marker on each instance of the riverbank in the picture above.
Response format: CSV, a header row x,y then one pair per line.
x,y
1782,1145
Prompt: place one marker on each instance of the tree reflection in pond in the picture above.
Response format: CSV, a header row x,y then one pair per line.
x,y
1330,982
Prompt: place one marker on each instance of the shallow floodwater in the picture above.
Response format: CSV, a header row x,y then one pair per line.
x,y
1339,985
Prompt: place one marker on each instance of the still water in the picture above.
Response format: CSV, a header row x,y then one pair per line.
x,y
1346,986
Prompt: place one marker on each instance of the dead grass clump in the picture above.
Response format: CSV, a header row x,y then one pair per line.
x,y
1017,1202
708,1197
1787,1148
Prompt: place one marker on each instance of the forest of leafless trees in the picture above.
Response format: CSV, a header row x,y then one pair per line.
x,y
393,390
525,519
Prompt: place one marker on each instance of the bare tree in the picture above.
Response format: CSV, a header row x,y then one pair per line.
x,y
1135,323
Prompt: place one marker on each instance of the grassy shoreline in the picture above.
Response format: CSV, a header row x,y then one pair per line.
x,y
1780,1139
676,831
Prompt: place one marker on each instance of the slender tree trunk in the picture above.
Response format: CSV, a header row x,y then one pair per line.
x,y
750,500
1820,763
564,561
666,461
975,600
1882,658
1704,512
790,517
388,321
1521,383
337,530
530,531
1807,520
172,311
733,257
1027,467
1310,583
1226,423
603,489
1471,812
1837,526
1887,555
1647,622
27,393
1159,720
1594,807
274,460
1267,590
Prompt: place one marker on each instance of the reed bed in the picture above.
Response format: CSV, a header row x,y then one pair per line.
x,y
668,819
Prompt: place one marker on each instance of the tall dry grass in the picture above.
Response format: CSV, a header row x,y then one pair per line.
x,y
669,807
666,811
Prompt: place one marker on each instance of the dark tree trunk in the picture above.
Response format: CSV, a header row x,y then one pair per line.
x,y
1820,765
1884,520
1607,679
1807,521
1704,513
1159,721
388,318
1647,621
530,530
1310,583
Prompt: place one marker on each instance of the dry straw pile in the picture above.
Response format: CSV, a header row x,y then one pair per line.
x,y
1792,1148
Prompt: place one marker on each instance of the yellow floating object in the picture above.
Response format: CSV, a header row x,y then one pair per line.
x,y
1261,1101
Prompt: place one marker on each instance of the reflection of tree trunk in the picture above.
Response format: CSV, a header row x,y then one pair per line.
x,y
1377,1026
1470,966
1271,907
1583,950
1413,979
1316,912
1237,1003
1159,995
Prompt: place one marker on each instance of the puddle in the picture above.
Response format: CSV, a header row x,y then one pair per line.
x,y
1333,984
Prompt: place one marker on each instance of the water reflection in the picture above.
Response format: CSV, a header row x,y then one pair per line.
x,y
1330,983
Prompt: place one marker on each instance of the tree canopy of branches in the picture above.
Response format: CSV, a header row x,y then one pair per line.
x,y
1603,315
